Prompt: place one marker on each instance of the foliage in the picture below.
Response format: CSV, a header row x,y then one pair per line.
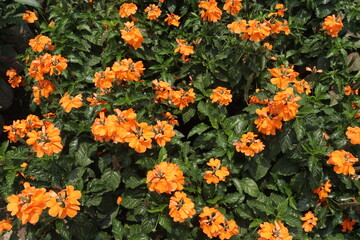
x,y
276,183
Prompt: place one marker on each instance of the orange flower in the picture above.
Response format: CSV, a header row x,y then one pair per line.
x,y
181,207
99,130
267,123
279,27
280,11
256,31
282,76
249,145
47,141
309,221
40,42
270,231
128,70
49,115
131,35
165,178
353,133
184,49
172,19
127,9
153,12
232,6
323,190
255,99
5,225
343,162
140,136
348,90
284,104
211,13
332,24
268,46
302,86
119,200
163,132
64,203
228,229
163,90
221,95
68,102
181,98
104,79
211,221
217,174
118,126
171,118
347,225
14,79
238,26
95,100
27,205
29,16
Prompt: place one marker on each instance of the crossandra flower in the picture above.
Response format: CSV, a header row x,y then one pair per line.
x,y
95,100
353,133
249,145
323,190
163,132
228,229
181,98
46,141
119,126
128,70
217,174
284,104
132,35
211,221
40,42
29,16
343,162
309,221
278,231
43,88
255,99
5,225
104,79
279,27
14,78
302,86
211,12
184,49
172,19
172,120
163,90
267,123
281,77
153,12
332,24
165,178
64,203
68,102
221,95
181,207
280,10
347,224
27,205
256,31
127,9
232,6
239,26
140,136
268,46
99,130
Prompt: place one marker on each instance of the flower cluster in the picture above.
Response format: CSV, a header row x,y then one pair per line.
x,y
153,12
165,178
271,231
221,95
123,127
132,35
14,78
30,203
347,224
332,24
309,221
323,190
233,6
249,145
127,9
125,70
217,174
343,162
211,12
5,225
282,108
353,133
214,224
51,64
184,49
180,98
348,90
172,19
181,207
29,16
67,102
41,42
255,30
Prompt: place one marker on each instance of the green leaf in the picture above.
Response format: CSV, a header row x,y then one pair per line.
x,y
188,115
131,203
62,229
32,3
165,222
198,129
299,126
110,180
250,187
